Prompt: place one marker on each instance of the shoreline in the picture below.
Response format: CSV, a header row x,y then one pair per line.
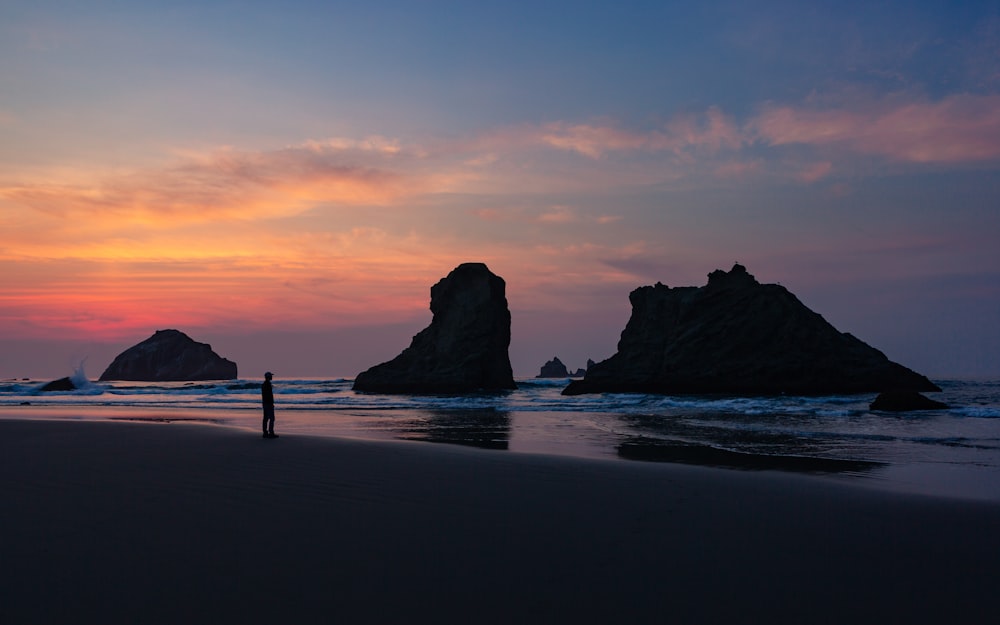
x,y
522,434
143,522
553,434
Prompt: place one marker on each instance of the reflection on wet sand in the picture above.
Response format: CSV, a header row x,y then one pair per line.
x,y
159,419
778,443
704,455
486,429
746,450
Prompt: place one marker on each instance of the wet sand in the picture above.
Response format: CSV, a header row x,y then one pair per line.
x,y
179,523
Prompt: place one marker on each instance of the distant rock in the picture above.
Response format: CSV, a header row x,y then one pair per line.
x,y
464,349
62,384
904,401
169,356
553,369
737,336
582,372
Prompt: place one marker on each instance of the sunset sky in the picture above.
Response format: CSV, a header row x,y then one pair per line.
x,y
286,180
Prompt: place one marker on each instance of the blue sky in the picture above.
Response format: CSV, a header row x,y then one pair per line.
x,y
287,180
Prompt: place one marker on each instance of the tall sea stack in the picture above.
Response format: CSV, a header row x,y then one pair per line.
x,y
737,336
464,349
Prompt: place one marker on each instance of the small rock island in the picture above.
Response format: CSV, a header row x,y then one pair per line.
x,y
737,336
169,356
553,369
904,401
62,384
463,350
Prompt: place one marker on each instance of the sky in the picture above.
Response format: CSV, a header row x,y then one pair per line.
x,y
287,180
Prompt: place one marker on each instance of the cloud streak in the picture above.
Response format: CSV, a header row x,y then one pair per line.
x,y
709,131
958,129
229,184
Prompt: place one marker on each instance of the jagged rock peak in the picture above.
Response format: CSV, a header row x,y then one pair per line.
x,y
738,276
169,356
553,369
464,349
737,336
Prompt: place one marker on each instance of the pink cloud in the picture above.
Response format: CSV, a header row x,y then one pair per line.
x,y
710,131
738,169
491,214
814,172
228,183
960,128
558,215
608,219
590,140
713,131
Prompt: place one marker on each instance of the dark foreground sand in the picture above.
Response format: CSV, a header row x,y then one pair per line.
x,y
153,523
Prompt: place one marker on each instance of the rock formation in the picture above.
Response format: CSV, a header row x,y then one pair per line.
x,y
904,401
553,369
169,356
62,384
737,336
581,371
464,349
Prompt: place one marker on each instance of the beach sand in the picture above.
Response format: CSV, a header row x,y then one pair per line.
x,y
179,523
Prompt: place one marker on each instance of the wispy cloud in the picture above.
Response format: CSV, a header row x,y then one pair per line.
x,y
232,184
958,129
555,215
814,171
709,131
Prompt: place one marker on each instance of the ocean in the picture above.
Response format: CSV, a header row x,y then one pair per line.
x,y
953,452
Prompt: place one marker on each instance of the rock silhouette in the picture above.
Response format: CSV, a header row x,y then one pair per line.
x,y
737,336
464,349
904,401
62,384
169,356
553,369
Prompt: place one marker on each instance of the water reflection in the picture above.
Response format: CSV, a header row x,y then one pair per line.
x,y
765,434
691,453
486,429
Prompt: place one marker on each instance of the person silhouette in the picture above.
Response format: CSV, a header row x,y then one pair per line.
x,y
267,398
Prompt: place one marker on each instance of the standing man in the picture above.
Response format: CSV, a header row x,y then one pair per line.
x,y
267,398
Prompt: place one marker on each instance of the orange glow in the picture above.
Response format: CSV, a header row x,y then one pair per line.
x,y
341,232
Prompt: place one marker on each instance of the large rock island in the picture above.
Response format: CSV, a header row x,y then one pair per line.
x,y
464,349
169,356
737,336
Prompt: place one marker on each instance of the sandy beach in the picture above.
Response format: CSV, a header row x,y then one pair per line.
x,y
180,523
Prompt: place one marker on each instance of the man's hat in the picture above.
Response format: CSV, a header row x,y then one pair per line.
x,y
268,375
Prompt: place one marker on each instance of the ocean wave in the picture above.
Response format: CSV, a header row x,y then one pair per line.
x,y
979,412
968,400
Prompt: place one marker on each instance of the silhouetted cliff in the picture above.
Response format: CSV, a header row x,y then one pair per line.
x,y
737,336
169,356
464,348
